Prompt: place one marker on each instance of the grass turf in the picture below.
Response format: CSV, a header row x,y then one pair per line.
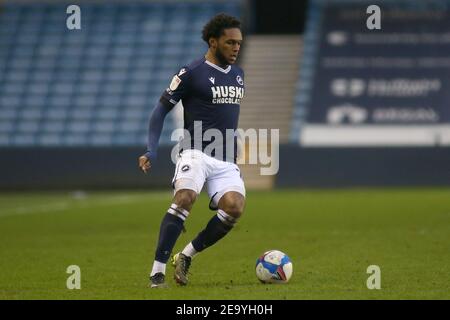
x,y
332,236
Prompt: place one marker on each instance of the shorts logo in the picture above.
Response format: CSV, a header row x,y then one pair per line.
x,y
185,168
239,80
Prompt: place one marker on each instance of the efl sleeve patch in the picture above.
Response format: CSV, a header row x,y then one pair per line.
x,y
175,83
177,89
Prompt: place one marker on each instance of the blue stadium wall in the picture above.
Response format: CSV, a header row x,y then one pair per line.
x,y
354,167
116,168
80,167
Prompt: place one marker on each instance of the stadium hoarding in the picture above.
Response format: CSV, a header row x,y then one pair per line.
x,y
386,87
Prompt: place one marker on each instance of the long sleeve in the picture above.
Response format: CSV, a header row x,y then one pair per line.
x,y
155,126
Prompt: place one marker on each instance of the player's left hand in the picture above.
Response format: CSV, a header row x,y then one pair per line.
x,y
144,163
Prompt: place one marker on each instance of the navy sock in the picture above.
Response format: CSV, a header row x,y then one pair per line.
x,y
216,229
170,230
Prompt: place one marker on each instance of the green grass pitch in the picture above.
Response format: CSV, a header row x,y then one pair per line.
x,y
332,236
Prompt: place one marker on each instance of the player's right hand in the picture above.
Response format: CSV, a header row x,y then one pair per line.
x,y
144,163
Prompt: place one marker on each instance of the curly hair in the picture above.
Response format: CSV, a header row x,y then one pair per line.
x,y
214,28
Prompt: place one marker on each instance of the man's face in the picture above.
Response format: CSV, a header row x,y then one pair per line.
x,y
228,46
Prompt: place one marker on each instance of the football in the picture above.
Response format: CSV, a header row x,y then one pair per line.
x,y
274,266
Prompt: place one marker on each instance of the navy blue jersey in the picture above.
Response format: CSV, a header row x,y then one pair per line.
x,y
212,95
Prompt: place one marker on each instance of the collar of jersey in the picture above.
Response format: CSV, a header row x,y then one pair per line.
x,y
217,67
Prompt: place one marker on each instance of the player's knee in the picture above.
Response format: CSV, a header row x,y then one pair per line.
x,y
233,204
234,210
185,199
